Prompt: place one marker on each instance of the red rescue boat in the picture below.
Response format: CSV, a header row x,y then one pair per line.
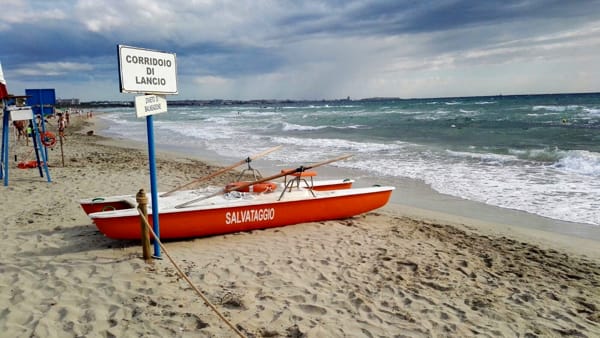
x,y
236,211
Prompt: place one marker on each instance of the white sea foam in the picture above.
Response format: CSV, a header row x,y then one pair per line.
x,y
215,132
551,108
538,189
592,111
556,108
540,155
483,157
291,126
544,114
254,113
580,162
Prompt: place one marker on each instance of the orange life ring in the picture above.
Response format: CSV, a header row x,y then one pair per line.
x,y
258,187
48,139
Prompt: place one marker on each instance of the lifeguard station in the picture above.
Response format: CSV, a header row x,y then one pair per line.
x,y
41,103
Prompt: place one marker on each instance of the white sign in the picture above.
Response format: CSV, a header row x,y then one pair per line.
x,y
149,105
20,113
147,71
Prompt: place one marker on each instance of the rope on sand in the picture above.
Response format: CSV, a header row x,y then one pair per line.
x,y
206,301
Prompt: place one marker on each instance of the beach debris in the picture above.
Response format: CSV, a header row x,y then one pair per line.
x,y
232,301
294,332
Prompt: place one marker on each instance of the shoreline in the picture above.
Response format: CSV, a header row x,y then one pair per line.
x,y
394,271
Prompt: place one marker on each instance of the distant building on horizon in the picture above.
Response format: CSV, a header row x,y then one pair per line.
x,y
67,102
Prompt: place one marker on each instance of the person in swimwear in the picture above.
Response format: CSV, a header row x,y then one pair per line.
x,y
62,124
19,129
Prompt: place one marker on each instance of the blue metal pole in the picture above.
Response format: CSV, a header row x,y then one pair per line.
x,y
44,129
37,144
43,151
153,185
43,121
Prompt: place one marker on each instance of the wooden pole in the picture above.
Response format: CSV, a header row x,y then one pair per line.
x,y
62,154
142,201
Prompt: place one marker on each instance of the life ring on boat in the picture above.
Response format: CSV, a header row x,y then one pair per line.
x,y
258,187
48,139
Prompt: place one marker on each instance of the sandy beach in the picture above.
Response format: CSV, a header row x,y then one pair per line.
x,y
395,272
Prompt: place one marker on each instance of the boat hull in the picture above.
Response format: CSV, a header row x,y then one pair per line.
x,y
206,221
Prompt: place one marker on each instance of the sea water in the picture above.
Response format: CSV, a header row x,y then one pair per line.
x,y
539,154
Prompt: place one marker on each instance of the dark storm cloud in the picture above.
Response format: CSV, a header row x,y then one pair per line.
x,y
312,41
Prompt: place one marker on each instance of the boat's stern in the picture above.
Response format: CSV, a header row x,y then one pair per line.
x,y
98,204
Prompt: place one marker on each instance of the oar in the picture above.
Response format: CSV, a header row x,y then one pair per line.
x,y
224,170
264,179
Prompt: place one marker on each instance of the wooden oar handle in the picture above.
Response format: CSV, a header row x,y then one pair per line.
x,y
223,170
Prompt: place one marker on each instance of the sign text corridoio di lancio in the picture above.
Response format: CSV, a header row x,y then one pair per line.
x,y
147,71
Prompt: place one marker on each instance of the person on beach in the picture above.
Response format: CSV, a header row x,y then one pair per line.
x,y
39,121
61,126
29,132
19,129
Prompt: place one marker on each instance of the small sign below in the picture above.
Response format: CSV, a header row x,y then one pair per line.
x,y
147,71
146,105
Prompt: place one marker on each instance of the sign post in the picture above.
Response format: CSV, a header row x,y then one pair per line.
x,y
148,72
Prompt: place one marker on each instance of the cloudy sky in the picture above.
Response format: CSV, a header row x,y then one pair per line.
x,y
328,49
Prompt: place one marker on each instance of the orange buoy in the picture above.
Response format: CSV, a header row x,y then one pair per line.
x,y
258,187
48,139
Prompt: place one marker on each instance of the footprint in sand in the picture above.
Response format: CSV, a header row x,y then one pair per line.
x,y
17,296
298,298
312,309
